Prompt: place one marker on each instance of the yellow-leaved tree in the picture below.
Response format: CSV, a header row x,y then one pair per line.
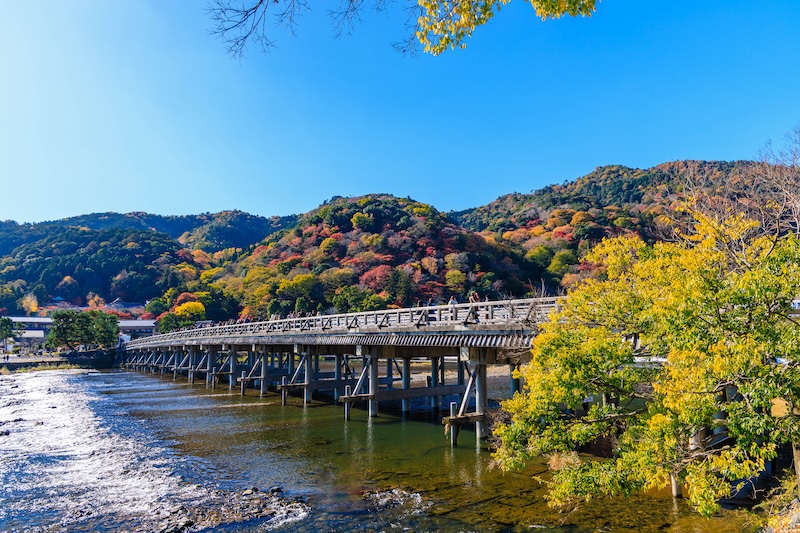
x,y
691,357
436,25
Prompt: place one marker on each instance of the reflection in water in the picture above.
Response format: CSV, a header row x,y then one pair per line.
x,y
116,451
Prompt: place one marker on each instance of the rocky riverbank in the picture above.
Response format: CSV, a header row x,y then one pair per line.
x,y
229,508
787,521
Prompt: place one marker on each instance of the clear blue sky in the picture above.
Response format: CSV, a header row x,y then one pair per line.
x,y
130,105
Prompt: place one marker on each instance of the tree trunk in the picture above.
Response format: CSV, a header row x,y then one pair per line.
x,y
676,486
796,459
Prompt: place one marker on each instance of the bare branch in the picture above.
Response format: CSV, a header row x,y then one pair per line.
x,y
241,22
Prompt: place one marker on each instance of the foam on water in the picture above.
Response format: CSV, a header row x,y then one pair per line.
x,y
62,467
411,501
287,514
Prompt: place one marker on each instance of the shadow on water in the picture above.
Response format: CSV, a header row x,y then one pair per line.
x,y
388,473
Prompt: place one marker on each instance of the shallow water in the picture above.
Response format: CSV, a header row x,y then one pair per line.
x,y
118,451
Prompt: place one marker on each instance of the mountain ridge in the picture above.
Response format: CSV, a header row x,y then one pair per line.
x,y
367,251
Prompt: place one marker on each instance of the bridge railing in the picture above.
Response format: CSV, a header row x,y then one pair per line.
x,y
521,311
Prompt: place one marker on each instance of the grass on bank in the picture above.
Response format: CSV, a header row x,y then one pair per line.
x,y
4,371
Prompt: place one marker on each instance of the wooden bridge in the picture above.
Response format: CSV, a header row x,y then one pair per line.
x,y
359,356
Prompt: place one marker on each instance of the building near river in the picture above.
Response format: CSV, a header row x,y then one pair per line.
x,y
39,326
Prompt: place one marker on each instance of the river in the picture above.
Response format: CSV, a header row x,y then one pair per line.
x,y
123,451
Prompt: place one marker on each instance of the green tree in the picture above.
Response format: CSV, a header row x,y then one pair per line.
x,y
156,306
71,328
7,329
455,280
540,255
703,393
362,221
105,328
171,322
352,299
561,263
305,286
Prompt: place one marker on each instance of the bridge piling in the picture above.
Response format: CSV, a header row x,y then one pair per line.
x,y
337,375
263,384
406,402
232,366
373,383
212,360
434,381
516,384
191,365
309,375
454,428
481,399
347,393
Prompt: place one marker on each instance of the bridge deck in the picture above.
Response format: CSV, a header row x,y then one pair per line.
x,y
500,324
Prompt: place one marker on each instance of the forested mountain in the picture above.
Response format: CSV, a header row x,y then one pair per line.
x,y
554,226
208,231
233,229
348,254
369,252
174,226
620,190
71,263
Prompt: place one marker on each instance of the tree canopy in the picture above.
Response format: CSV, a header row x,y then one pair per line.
x,y
7,329
692,358
72,328
436,25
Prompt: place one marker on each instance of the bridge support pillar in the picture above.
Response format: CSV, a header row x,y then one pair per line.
x,y
434,381
455,428
406,383
347,392
264,356
481,398
373,382
337,375
191,365
232,375
176,362
516,384
210,364
389,373
309,374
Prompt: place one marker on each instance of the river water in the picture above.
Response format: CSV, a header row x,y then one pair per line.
x,y
123,451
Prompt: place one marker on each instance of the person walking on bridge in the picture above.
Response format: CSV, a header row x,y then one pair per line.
x,y
452,303
474,299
